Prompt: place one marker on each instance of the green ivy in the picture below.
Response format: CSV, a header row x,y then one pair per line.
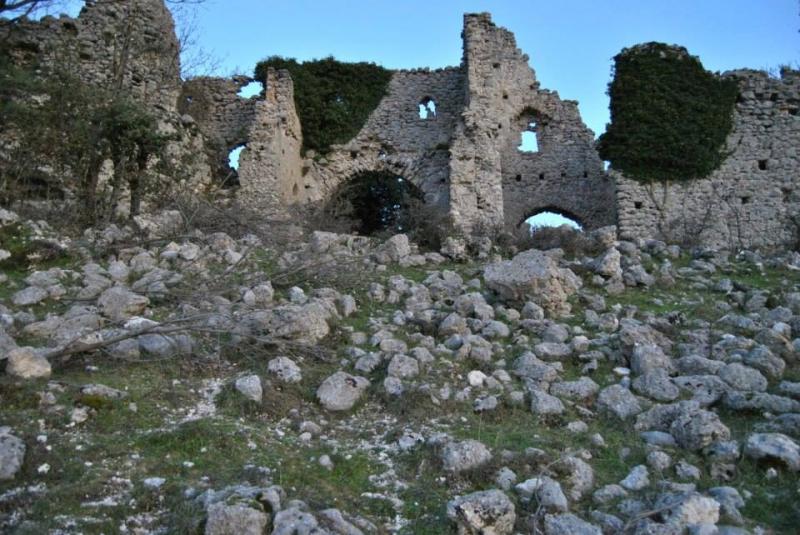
x,y
669,116
333,99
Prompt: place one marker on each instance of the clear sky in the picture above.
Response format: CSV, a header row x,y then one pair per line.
x,y
570,42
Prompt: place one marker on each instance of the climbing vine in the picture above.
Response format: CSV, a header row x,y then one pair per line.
x,y
669,116
333,98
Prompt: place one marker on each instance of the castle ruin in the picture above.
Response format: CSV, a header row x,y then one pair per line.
x,y
464,157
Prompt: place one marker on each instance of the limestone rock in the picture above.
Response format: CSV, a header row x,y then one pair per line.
x,y
29,296
546,491
403,367
26,363
250,387
569,524
535,276
618,401
341,391
465,455
488,512
773,446
119,304
237,519
285,369
302,323
394,249
12,454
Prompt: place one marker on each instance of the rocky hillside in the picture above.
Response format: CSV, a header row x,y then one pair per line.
x,y
166,380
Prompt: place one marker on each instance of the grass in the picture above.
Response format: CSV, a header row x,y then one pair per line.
x,y
117,444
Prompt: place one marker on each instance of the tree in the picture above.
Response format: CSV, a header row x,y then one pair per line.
x,y
669,116
16,9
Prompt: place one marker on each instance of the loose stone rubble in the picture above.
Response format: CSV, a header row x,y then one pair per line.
x,y
450,396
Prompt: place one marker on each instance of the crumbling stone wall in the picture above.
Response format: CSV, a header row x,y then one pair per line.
x,y
120,45
270,167
113,44
396,139
463,159
221,114
494,183
752,200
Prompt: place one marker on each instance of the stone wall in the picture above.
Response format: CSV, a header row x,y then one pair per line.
x,y
126,46
463,159
493,184
223,117
753,199
270,166
113,44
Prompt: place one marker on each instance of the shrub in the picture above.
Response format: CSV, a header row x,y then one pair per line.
x,y
58,131
669,116
333,98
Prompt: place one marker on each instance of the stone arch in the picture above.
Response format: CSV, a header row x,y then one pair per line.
x,y
569,214
372,202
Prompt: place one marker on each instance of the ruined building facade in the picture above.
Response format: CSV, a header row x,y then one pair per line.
x,y
464,158
753,199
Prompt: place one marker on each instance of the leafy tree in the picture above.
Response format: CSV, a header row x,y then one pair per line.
x,y
333,99
60,131
669,116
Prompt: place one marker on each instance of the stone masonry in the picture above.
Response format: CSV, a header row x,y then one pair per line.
x,y
112,44
463,159
753,199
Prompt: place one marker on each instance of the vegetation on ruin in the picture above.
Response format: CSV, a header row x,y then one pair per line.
x,y
64,131
375,202
333,98
669,116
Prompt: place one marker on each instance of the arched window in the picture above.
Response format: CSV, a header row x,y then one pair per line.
x,y
427,108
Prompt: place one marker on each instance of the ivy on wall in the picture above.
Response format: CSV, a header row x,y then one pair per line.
x,y
669,116
333,98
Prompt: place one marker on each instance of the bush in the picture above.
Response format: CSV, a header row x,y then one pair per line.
x,y
373,203
669,116
58,132
333,99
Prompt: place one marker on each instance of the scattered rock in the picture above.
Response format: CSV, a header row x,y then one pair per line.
x,y
341,391
489,512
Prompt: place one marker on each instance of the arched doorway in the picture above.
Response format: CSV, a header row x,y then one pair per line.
x,y
374,202
550,217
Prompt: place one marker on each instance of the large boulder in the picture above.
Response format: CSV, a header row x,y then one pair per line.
x,y
463,456
341,391
488,512
393,250
533,276
26,363
773,447
119,304
306,323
